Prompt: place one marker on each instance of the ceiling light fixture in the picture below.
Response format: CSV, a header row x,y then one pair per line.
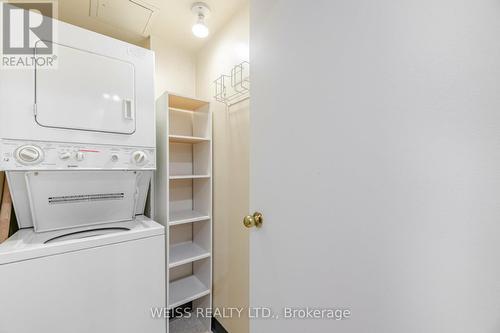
x,y
201,10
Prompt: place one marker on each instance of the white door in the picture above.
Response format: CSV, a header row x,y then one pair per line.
x,y
375,160
87,91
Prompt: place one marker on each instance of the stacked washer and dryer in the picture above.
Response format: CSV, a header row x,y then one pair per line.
x,y
77,143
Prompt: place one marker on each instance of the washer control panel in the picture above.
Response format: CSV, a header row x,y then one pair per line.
x,y
31,155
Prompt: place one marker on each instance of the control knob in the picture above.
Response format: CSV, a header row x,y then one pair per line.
x,y
29,154
79,156
139,157
64,155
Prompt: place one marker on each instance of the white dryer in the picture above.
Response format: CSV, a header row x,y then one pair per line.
x,y
78,146
101,90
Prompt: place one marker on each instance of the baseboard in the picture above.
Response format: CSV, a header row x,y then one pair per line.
x,y
217,327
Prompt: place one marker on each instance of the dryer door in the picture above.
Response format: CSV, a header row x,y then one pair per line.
x,y
86,91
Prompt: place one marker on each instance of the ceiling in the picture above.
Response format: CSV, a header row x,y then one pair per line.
x,y
171,21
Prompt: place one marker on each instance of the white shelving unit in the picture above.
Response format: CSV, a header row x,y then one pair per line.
x,y
183,203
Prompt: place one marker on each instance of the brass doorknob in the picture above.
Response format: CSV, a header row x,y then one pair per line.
x,y
254,220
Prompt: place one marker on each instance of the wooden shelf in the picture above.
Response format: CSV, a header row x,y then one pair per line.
x,y
185,103
187,216
182,110
186,139
185,253
189,177
186,290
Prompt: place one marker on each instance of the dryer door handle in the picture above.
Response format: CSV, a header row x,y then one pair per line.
x,y
128,109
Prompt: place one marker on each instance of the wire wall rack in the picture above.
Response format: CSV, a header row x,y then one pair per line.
x,y
234,88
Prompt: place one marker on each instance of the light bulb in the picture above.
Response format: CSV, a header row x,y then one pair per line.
x,y
200,30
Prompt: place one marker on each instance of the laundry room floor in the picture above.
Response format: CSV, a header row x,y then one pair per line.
x,y
191,325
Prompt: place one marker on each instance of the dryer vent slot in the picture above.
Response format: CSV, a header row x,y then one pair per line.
x,y
68,199
85,198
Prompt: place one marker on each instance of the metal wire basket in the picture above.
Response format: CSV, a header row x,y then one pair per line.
x,y
234,88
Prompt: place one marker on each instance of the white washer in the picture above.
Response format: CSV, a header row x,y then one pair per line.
x,y
99,279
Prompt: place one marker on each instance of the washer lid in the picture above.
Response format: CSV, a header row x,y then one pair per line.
x,y
27,244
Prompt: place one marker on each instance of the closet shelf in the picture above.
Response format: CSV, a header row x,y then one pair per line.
x,y
187,216
181,110
186,290
186,139
177,102
188,177
185,253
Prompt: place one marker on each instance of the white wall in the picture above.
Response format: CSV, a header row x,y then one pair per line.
x,y
231,169
175,68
